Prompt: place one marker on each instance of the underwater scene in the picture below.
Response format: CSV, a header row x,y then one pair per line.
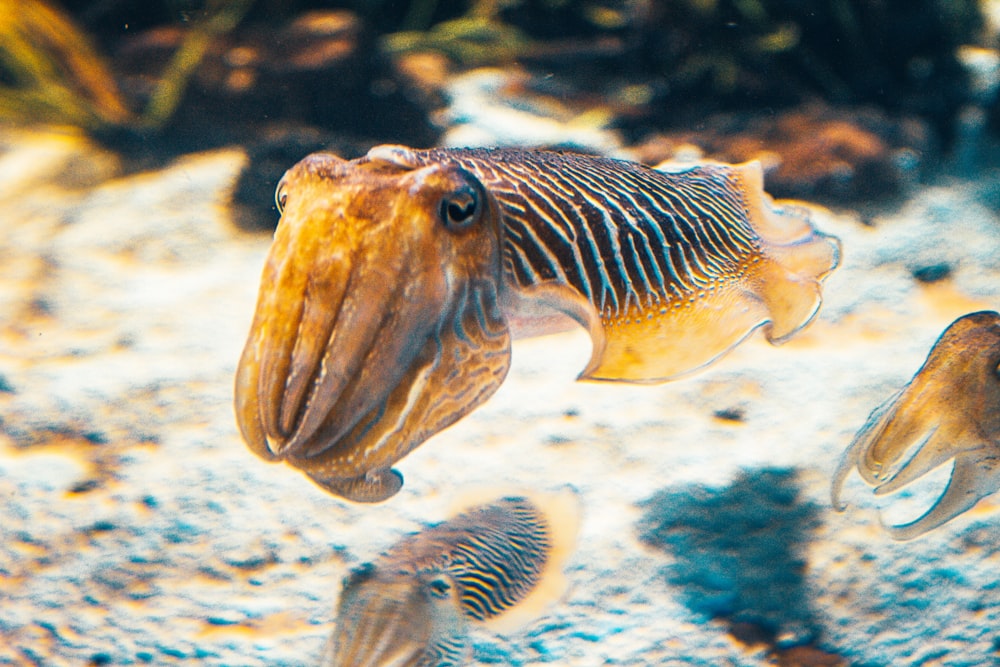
x,y
385,333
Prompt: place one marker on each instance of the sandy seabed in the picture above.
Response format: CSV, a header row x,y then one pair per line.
x,y
137,528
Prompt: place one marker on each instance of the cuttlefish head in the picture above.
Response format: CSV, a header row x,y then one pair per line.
x,y
377,321
950,410
398,618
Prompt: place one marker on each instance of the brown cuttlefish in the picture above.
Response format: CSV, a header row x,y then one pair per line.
x,y
497,564
950,410
396,281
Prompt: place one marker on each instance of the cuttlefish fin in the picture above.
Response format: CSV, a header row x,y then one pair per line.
x,y
777,286
950,410
667,343
537,309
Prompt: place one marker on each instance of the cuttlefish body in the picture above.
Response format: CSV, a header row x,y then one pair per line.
x,y
396,281
497,564
949,410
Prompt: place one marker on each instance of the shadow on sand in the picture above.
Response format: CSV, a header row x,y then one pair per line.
x,y
738,554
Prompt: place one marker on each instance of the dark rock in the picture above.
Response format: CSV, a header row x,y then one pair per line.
x,y
270,155
102,526
834,155
85,486
223,620
809,656
932,273
735,414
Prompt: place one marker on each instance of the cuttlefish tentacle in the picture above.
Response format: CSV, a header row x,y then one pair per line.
x,y
498,564
396,281
950,410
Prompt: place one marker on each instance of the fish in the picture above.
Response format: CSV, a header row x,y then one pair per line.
x,y
949,411
497,564
396,282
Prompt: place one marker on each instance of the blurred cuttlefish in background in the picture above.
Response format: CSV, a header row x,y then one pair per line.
x,y
949,410
396,281
498,564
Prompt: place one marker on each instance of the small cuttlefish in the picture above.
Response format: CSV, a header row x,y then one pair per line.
x,y
499,564
396,281
949,410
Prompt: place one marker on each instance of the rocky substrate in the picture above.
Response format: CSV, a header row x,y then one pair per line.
x,y
137,528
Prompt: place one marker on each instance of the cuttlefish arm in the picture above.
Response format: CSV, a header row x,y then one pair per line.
x,y
950,410
378,319
498,564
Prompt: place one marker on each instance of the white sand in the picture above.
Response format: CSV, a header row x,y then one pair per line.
x,y
123,308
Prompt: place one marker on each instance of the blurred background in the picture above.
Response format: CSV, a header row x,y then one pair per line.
x,y
843,100
140,145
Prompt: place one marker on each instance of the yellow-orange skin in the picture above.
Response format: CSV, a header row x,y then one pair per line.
x,y
386,307
344,328
949,410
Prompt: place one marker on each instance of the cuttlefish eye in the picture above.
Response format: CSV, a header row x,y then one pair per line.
x,y
462,208
280,196
439,587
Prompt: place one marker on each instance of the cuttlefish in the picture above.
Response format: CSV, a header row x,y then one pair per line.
x,y
498,564
950,410
396,281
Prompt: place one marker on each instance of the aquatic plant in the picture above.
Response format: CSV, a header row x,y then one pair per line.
x,y
697,56
899,55
51,72
477,39
488,34
220,17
